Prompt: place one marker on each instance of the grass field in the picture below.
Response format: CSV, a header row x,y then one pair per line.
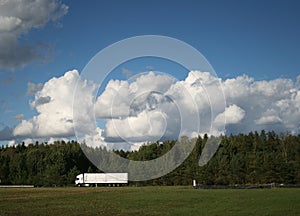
x,y
148,201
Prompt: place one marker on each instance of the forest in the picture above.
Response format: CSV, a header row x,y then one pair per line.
x,y
254,158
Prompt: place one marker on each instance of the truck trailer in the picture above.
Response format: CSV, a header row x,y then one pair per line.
x,y
101,179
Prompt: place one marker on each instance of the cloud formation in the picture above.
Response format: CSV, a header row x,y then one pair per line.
x,y
152,106
232,115
53,102
251,105
18,18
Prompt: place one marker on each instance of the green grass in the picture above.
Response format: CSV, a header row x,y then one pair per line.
x,y
148,201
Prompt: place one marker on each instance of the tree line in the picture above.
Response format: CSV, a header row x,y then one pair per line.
x,y
254,158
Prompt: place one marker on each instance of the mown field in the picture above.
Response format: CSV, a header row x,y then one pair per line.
x,y
148,201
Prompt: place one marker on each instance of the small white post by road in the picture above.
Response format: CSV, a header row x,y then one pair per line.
x,y
194,183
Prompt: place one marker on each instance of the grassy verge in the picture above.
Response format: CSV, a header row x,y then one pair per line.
x,y
148,201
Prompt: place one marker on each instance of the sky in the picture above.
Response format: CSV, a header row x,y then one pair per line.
x,y
253,46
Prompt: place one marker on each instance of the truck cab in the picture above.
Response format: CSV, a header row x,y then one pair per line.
x,y
79,179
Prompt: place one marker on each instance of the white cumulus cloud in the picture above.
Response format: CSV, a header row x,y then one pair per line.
x,y
152,107
54,106
268,120
232,115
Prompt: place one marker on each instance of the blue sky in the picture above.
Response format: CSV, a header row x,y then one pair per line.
x,y
257,38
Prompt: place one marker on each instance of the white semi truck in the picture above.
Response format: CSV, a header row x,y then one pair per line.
x,y
101,179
